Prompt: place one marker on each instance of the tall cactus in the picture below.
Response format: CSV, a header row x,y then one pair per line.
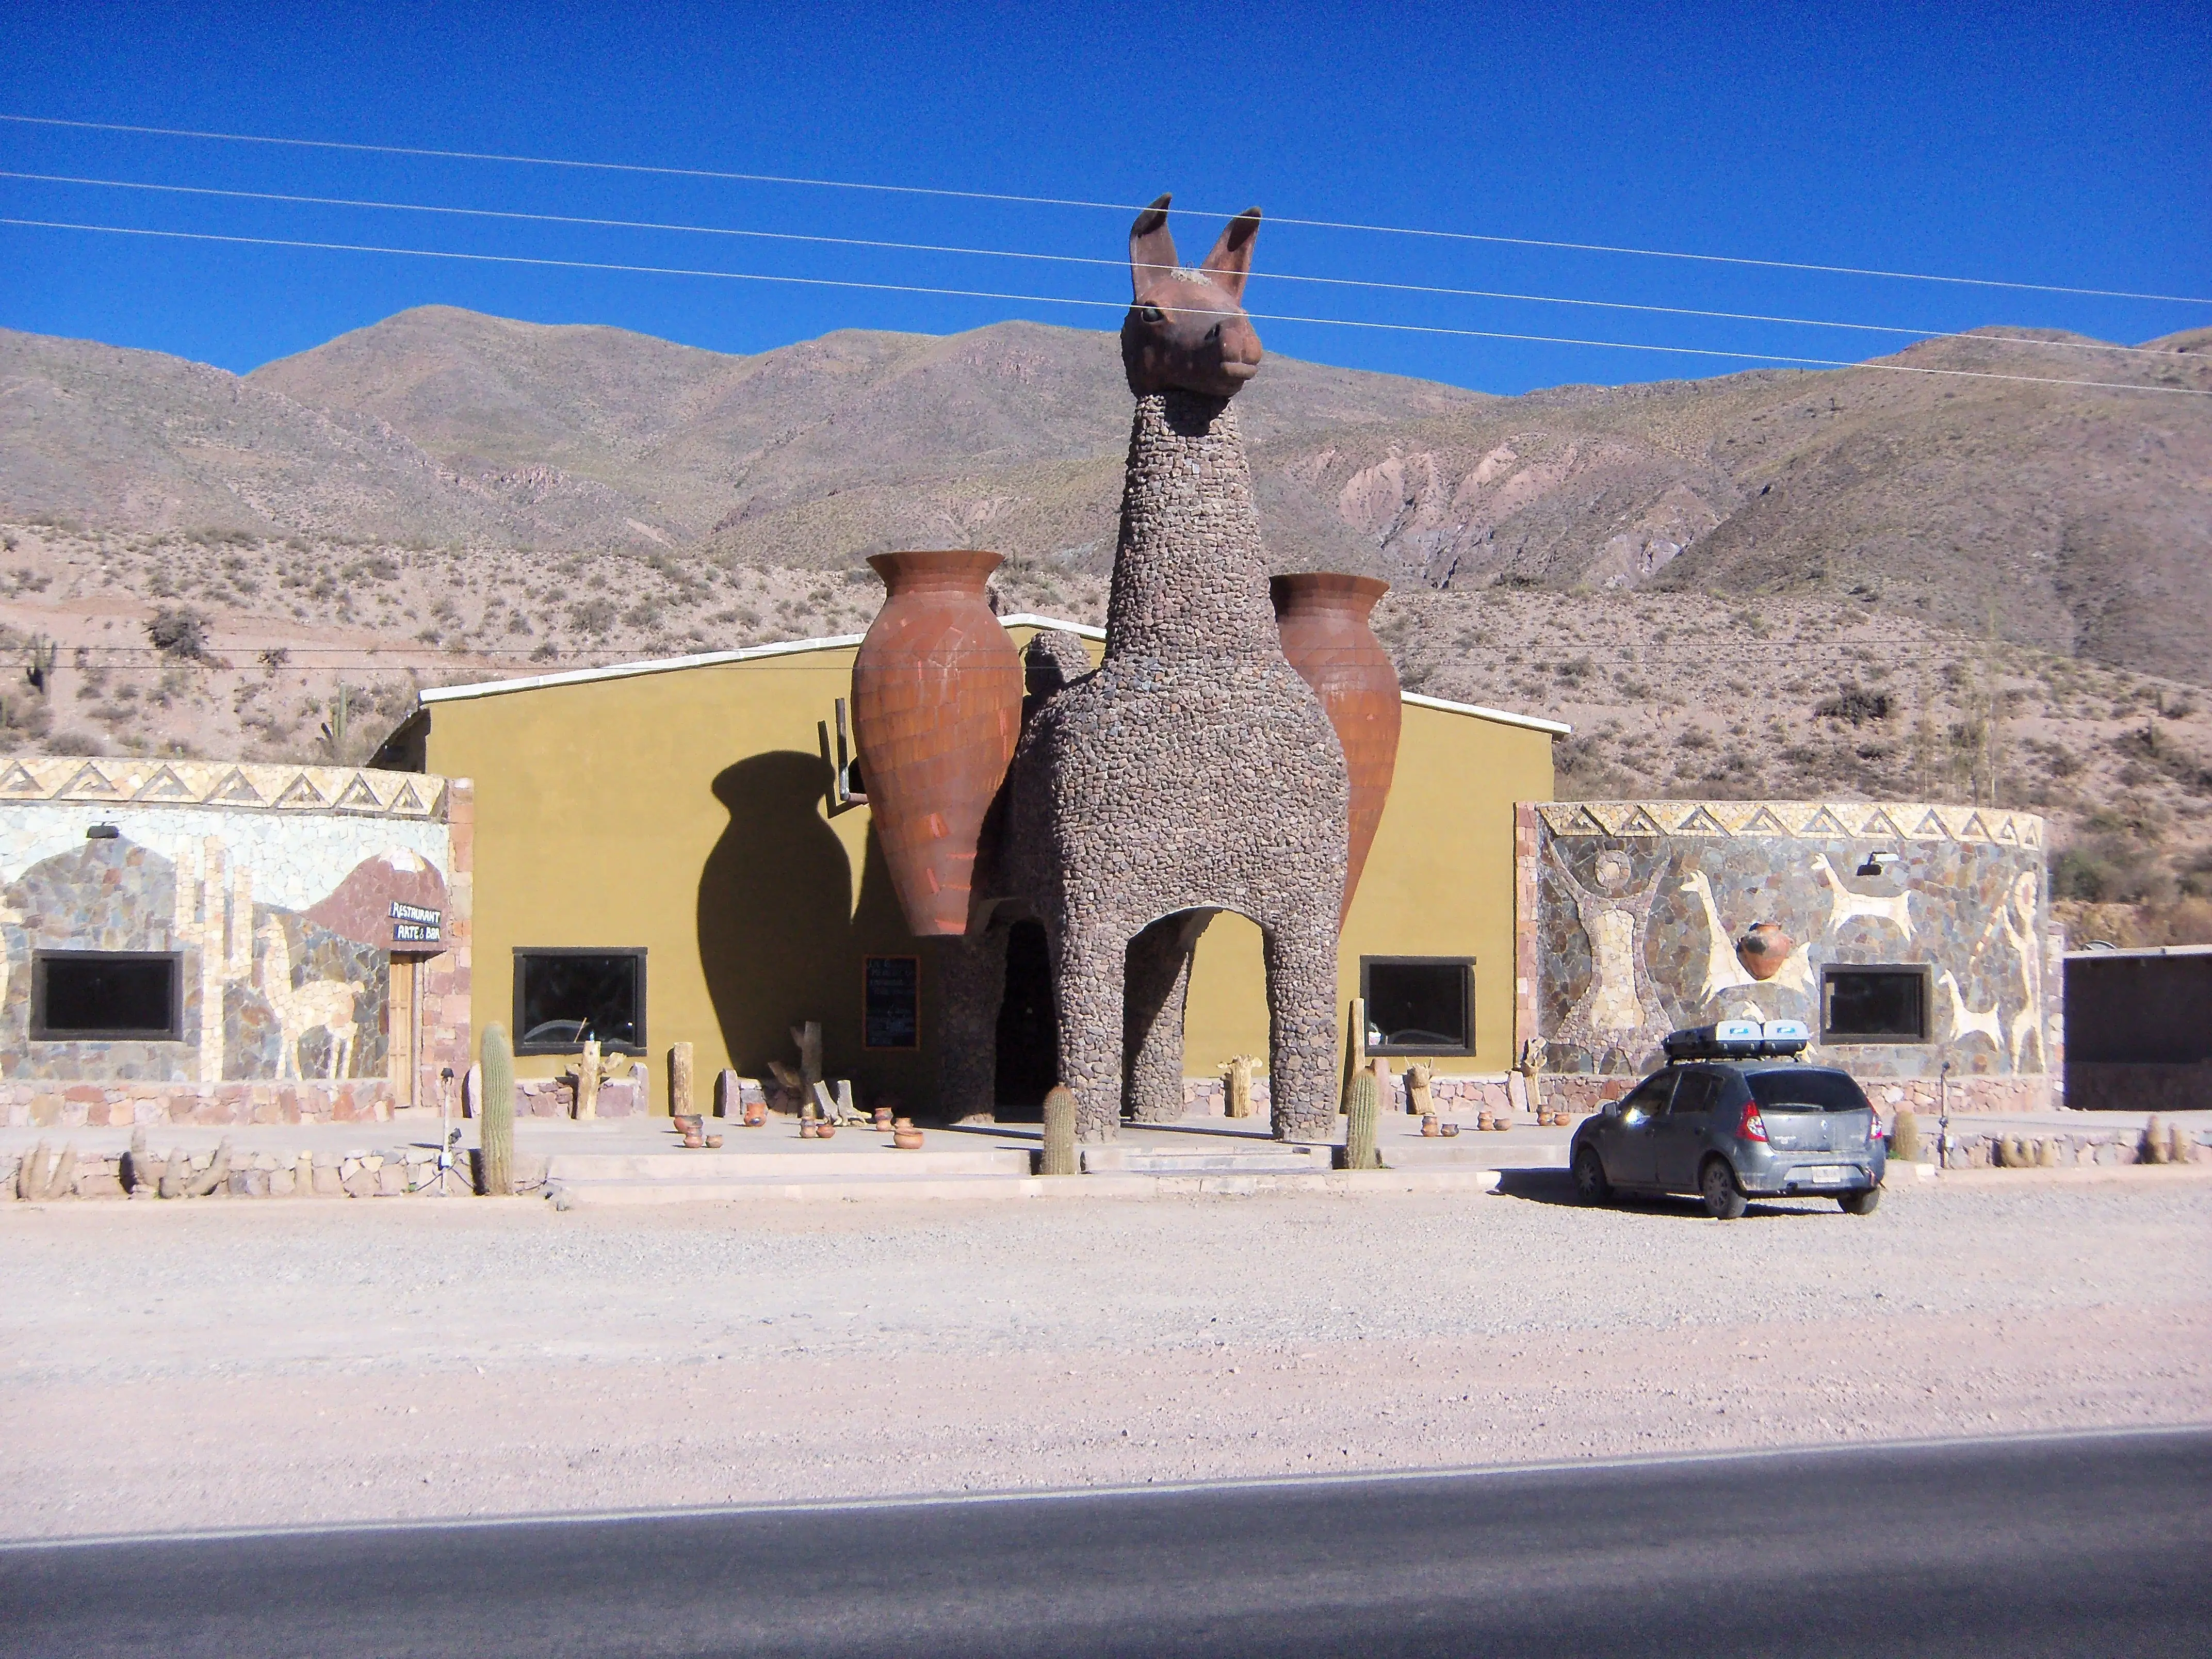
x,y
495,1170
1060,1131
1905,1136
1361,1107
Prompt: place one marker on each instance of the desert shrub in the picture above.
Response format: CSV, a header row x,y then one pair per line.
x,y
1855,703
592,615
546,652
179,631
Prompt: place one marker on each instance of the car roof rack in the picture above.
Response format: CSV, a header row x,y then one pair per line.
x,y
1740,1039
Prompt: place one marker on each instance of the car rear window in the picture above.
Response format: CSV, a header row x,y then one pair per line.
x,y
1805,1091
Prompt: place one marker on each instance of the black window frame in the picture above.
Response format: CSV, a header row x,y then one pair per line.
x,y
41,1031
637,1046
1925,972
1466,966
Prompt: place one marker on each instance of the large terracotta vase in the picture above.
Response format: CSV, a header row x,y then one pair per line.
x,y
1323,619
937,705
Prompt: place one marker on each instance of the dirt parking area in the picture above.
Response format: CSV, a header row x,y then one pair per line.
x,y
234,1364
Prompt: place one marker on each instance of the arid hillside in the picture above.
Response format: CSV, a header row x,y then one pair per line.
x,y
1769,584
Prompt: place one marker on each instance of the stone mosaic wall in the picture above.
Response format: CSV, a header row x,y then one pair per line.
x,y
282,890
1639,907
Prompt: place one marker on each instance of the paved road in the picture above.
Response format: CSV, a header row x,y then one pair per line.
x,y
2084,1545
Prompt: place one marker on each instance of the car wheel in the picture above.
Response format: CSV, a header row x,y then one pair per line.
x,y
1591,1184
1723,1199
1860,1203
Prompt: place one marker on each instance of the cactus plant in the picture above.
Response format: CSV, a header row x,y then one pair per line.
x,y
1060,1131
211,1179
2181,1148
1360,1111
495,1163
1905,1136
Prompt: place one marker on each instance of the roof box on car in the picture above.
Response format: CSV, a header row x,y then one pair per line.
x,y
1738,1039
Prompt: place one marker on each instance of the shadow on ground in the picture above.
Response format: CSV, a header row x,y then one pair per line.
x,y
1558,1186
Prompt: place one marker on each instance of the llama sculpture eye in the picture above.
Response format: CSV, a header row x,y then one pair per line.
x,y
1149,313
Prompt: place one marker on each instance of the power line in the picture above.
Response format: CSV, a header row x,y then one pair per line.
x,y
1012,199
1054,259
1433,329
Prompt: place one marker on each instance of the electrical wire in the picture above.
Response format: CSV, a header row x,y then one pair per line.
x,y
1012,199
505,213
1427,329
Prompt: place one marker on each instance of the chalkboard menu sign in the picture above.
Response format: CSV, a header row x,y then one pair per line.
x,y
891,1016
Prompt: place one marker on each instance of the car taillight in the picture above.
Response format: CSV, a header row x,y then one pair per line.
x,y
1753,1126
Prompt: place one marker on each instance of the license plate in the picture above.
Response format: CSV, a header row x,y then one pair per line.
x,y
1824,1175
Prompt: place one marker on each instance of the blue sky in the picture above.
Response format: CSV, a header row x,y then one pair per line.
x,y
2068,146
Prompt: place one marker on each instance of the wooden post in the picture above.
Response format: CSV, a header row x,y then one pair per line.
x,y
1379,1066
1239,1101
808,1037
729,1094
587,1083
679,1080
1416,1091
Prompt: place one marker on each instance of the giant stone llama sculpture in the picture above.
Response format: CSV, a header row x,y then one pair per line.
x,y
1194,771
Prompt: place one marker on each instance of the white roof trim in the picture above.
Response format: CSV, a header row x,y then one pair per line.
x,y
1030,619
1557,728
623,671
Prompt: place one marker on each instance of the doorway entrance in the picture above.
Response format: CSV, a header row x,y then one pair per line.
x,y
402,1031
1029,1027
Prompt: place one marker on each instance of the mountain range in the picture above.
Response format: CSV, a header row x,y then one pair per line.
x,y
1969,482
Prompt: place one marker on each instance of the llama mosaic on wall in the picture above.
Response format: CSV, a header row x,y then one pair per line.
x,y
1653,915
276,911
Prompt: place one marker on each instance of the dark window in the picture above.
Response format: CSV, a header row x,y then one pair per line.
x,y
1874,1005
563,998
106,994
890,1011
1649,1095
1419,1005
1698,1091
1806,1091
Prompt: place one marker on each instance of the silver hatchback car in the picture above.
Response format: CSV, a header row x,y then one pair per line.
x,y
1736,1115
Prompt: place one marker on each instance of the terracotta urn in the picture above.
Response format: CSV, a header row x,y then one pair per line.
x,y
1763,949
756,1114
906,1140
1323,620
937,705
823,1131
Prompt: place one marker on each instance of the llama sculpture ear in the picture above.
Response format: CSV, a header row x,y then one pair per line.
x,y
1230,262
1151,250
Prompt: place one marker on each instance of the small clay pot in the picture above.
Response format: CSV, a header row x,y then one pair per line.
x,y
823,1131
1763,949
883,1117
1451,1129
1430,1127
756,1114
902,1123
1501,1122
907,1139
1483,1119
807,1129
714,1142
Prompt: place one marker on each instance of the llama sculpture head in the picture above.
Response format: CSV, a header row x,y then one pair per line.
x,y
1186,329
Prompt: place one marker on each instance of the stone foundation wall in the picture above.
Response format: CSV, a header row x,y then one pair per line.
x,y
76,1105
405,1171
2074,1149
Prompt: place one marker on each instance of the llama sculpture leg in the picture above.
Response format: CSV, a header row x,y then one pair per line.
x,y
1088,973
1158,993
971,985
1301,959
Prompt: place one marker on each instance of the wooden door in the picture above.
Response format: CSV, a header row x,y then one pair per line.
x,y
401,1024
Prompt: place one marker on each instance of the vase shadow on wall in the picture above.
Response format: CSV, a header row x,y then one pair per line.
x,y
780,939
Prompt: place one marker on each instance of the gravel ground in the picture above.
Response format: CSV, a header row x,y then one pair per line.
x,y
286,1363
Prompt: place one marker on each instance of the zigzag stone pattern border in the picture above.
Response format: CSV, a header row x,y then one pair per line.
x,y
1796,820
346,790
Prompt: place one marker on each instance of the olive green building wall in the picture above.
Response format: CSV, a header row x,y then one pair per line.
x,y
684,809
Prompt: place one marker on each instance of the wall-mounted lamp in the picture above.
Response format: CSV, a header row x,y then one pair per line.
x,y
1876,863
102,832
